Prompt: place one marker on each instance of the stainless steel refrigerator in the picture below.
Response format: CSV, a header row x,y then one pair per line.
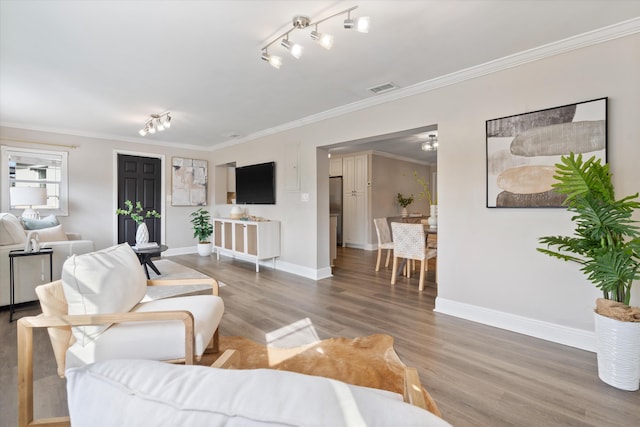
x,y
335,202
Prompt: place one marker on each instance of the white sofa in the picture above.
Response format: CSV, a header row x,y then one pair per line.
x,y
30,272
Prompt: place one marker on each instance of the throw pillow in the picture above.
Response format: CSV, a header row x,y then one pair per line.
x,y
53,234
37,224
11,231
106,281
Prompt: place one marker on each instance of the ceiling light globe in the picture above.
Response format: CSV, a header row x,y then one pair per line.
x,y
363,24
152,129
275,61
167,122
296,50
142,132
326,41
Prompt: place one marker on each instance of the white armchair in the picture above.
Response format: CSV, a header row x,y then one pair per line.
x,y
95,313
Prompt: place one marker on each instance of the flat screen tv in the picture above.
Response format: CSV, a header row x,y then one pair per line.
x,y
256,184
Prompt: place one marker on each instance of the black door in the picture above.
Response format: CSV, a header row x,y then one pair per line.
x,y
139,180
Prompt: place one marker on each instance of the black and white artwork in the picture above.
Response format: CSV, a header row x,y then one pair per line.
x,y
522,151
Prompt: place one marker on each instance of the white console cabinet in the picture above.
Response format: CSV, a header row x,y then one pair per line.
x,y
251,240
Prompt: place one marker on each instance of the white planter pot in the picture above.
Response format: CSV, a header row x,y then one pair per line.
x,y
204,249
433,216
618,346
142,234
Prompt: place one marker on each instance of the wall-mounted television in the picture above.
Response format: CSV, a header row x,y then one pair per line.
x,y
256,184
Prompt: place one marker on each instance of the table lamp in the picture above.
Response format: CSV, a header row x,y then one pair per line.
x,y
30,197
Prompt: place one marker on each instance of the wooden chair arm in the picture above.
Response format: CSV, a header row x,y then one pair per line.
x,y
25,350
226,360
177,282
413,392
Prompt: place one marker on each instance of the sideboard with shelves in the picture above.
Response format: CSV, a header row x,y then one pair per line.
x,y
251,240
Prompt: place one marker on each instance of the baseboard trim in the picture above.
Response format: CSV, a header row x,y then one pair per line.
x,y
578,338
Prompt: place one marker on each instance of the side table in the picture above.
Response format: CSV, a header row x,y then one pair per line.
x,y
145,254
18,254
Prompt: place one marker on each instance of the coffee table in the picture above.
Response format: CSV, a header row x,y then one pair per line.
x,y
145,255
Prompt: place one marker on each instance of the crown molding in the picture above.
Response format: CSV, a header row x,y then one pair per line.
x,y
601,35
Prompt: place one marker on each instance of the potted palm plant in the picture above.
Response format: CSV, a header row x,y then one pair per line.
x,y
606,243
202,230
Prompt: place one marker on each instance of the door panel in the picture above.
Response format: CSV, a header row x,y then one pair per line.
x,y
139,179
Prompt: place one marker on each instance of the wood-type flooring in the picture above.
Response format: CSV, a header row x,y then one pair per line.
x,y
478,375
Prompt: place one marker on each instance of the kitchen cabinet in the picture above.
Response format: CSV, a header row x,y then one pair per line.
x,y
355,185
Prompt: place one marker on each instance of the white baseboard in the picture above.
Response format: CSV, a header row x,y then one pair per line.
x,y
578,338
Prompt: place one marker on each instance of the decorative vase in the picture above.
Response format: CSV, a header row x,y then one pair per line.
x,y
142,234
618,349
204,249
405,213
433,216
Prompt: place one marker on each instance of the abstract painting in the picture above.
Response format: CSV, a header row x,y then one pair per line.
x,y
522,151
188,182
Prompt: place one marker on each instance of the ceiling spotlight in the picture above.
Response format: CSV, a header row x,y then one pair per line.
x,y
294,48
431,144
273,60
301,22
324,40
156,122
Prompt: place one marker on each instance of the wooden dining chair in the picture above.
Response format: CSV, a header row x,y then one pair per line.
x,y
409,242
384,240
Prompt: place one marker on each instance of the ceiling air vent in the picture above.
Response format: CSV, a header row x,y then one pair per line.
x,y
384,87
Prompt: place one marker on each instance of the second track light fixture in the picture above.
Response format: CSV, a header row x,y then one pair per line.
x,y
325,40
157,122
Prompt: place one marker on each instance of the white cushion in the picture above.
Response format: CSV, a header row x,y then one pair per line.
x,y
52,234
107,281
153,340
146,393
11,231
38,224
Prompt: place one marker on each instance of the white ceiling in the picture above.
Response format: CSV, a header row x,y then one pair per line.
x,y
100,68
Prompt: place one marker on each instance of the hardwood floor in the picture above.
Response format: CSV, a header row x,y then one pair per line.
x,y
478,375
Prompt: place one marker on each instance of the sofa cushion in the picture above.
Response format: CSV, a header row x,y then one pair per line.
x,y
106,281
52,234
157,340
11,231
136,392
37,224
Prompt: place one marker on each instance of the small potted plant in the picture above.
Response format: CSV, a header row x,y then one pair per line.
x,y
404,202
138,214
202,230
606,243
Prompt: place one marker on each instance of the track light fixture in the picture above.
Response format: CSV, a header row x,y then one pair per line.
x,y
431,144
325,40
157,122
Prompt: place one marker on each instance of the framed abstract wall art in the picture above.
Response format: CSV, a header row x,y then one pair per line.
x,y
522,151
188,182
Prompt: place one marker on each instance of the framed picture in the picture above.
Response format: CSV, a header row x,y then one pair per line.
x,y
188,182
522,151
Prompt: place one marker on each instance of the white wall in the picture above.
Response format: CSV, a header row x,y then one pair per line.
x,y
488,267
91,184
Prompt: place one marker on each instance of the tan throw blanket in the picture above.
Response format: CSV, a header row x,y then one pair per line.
x,y
366,361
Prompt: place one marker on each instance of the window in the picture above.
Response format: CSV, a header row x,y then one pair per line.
x,y
26,167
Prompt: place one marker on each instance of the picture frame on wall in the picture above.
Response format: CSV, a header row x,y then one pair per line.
x,y
523,149
189,178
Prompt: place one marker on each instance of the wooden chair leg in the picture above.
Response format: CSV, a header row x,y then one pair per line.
x,y
422,273
386,264
378,261
395,270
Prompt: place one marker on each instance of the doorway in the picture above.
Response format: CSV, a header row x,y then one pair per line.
x,y
139,178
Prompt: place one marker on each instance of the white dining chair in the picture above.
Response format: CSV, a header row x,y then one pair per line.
x,y
384,240
409,242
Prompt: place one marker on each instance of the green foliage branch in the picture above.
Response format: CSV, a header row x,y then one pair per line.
x,y
137,212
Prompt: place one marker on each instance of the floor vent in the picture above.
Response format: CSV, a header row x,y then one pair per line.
x,y
385,87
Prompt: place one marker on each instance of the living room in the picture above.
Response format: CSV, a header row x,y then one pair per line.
x,y
488,267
